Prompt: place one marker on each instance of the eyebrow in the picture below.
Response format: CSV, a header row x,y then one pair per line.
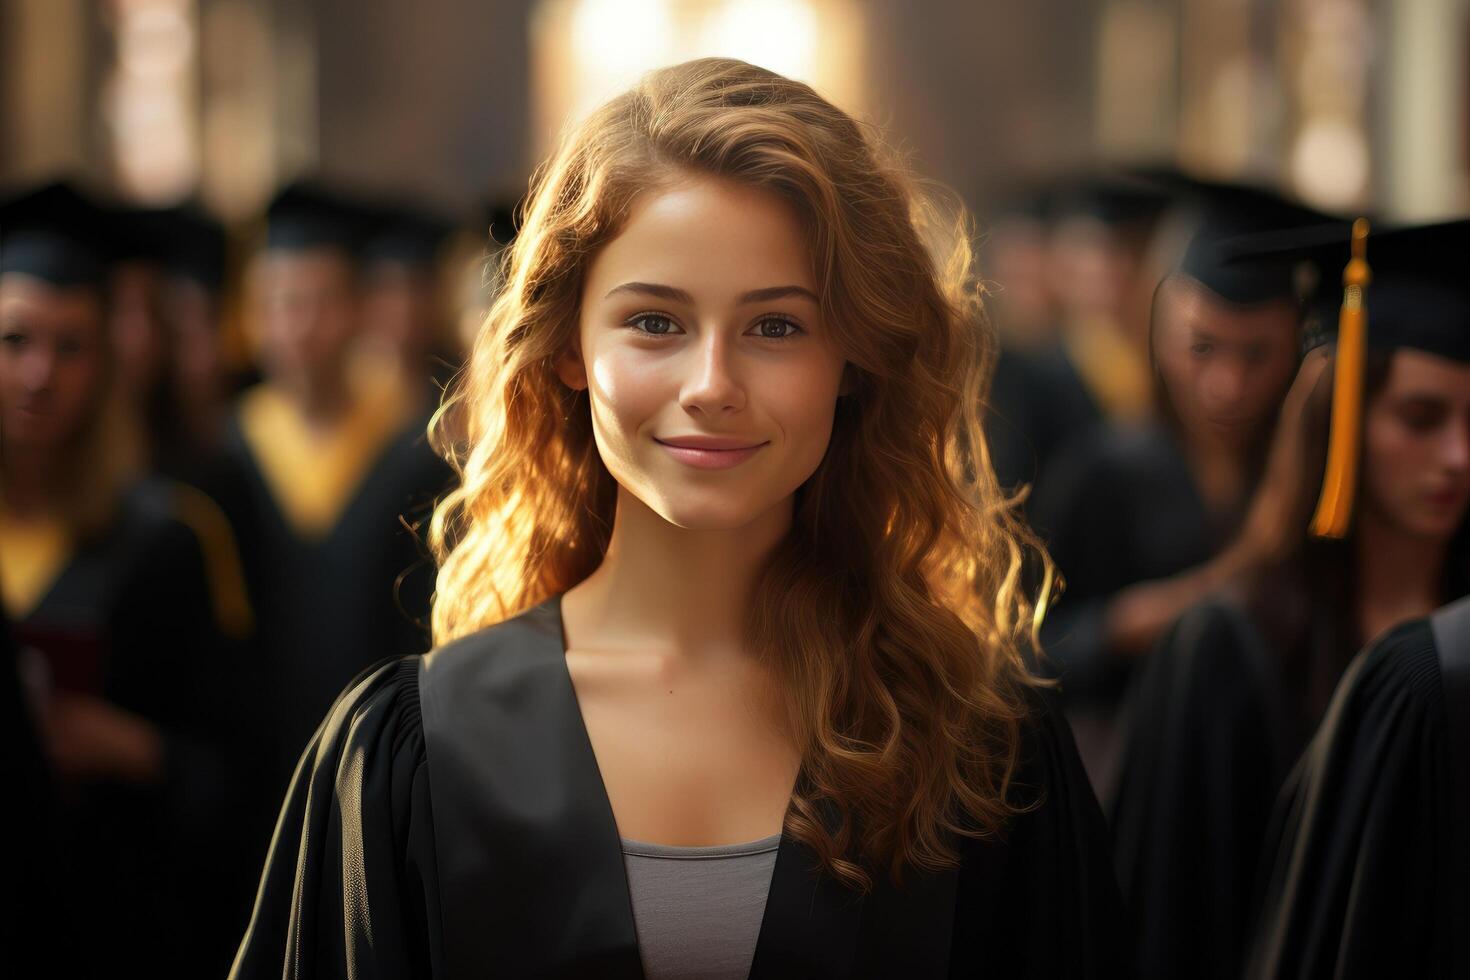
x,y
765,295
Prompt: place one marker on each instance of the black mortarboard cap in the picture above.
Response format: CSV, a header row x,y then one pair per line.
x,y
406,234
1419,294
55,233
197,247
307,215
1224,211
134,234
1401,288
1114,200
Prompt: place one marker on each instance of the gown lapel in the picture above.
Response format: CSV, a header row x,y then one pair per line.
x,y
530,861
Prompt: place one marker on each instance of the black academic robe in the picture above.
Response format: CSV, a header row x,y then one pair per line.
x,y
130,619
1208,738
1038,404
28,895
1368,855
327,607
1117,507
449,820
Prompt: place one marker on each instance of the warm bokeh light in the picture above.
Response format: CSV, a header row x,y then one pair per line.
x,y
585,51
149,98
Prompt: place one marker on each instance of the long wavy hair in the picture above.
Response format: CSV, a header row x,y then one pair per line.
x,y
895,610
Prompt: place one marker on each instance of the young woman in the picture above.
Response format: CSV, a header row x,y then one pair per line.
x,y
108,597
1368,868
730,676
1236,688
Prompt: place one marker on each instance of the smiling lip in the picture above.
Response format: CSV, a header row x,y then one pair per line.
x,y
710,452
1445,498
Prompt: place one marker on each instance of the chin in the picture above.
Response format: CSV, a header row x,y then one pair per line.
x,y
709,518
726,511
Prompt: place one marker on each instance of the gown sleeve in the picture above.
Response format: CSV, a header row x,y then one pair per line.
x,y
1203,758
1052,907
349,887
1357,881
1082,510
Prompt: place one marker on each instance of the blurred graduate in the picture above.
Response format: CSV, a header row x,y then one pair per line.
x,y
331,471
1359,525
1135,515
119,592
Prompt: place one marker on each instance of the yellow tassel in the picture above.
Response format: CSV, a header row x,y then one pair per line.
x,y
1339,483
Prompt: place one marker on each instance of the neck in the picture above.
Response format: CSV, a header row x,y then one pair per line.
x,y
321,401
1219,470
27,480
1400,575
669,588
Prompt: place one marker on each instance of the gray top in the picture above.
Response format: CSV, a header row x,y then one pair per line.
x,y
698,910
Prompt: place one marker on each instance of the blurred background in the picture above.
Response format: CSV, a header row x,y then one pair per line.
x,y
281,256
1349,103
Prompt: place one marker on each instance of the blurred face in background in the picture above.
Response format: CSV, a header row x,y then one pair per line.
x,y
53,355
193,314
400,308
1416,446
135,321
1016,253
1091,268
308,317
1225,368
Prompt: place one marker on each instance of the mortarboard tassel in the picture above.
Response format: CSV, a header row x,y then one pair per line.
x,y
1339,483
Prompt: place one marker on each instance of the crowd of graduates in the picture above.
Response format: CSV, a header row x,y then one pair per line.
x,y
1251,464
195,562
197,553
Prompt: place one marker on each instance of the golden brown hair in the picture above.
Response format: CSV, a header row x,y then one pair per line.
x,y
894,611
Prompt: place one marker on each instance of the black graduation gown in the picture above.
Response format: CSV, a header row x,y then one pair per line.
x,y
328,607
28,899
1118,506
1368,870
1207,742
130,619
449,820
1038,404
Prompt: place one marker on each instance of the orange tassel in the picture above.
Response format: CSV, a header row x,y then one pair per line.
x,y
1339,483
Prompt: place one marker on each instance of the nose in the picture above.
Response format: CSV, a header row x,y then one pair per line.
x,y
38,368
1225,382
1455,447
712,386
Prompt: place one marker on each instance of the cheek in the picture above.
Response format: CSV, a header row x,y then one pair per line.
x,y
76,390
803,402
1178,370
1393,460
627,388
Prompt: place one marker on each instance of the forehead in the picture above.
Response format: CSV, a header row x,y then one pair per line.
x,y
713,238
1186,306
306,265
1415,372
41,302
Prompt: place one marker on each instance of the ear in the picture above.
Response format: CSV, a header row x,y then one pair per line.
x,y
569,367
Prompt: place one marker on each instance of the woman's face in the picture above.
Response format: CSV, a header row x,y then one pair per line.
x,y
1416,446
52,359
712,379
1225,368
308,315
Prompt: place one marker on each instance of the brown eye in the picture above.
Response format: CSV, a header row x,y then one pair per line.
x,y
653,323
1421,416
777,328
